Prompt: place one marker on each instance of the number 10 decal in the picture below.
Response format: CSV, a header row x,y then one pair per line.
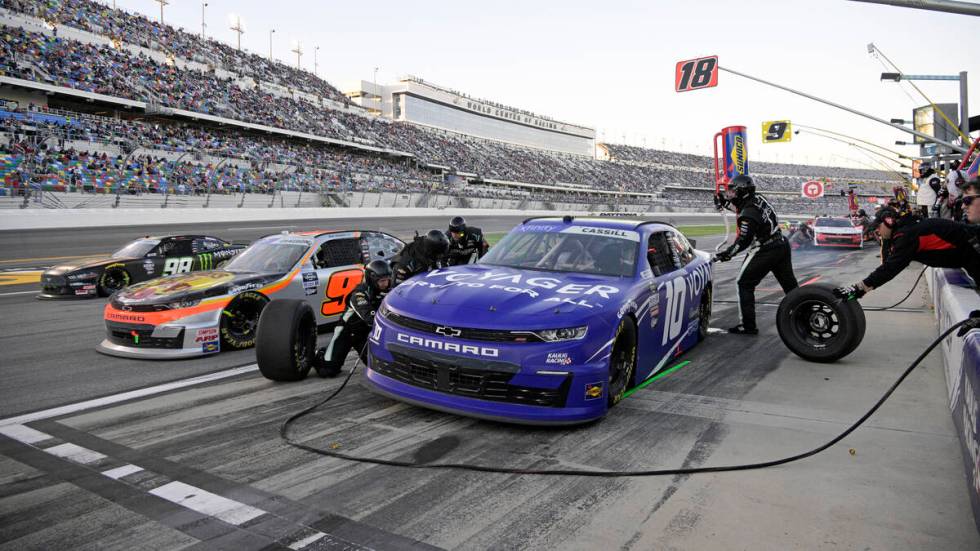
x,y
674,313
694,74
339,287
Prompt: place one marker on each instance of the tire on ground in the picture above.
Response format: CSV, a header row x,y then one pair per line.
x,y
623,350
240,319
112,279
817,326
286,340
704,314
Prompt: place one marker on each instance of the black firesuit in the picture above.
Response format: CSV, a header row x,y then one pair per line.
x,y
462,251
351,331
412,260
758,230
936,242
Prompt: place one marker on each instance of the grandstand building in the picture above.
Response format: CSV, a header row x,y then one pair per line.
x,y
417,101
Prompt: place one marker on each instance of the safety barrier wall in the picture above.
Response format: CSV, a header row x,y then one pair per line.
x,y
955,297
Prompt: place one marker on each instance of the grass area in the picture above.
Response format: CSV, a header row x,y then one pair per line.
x,y
689,231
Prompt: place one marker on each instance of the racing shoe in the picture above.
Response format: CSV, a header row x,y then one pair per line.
x,y
743,330
320,364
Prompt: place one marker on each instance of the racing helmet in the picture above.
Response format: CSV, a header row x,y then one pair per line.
x,y
436,244
378,275
457,228
892,218
740,189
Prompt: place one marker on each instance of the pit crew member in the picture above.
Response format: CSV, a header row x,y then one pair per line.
x,y
355,324
424,254
935,242
464,242
769,251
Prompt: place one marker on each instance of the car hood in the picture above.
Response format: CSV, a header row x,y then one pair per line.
x,y
191,286
84,264
492,297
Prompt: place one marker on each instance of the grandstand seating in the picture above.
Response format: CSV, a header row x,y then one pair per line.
x,y
166,155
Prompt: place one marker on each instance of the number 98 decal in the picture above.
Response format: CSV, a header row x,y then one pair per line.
x,y
339,287
177,265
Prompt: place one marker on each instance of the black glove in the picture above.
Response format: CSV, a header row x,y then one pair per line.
x,y
725,255
719,202
853,292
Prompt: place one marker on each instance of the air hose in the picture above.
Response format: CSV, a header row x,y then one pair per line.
x,y
972,322
865,308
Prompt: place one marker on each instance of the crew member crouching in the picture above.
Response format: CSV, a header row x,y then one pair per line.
x,y
466,243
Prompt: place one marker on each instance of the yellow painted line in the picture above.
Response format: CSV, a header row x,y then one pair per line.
x,y
20,278
48,258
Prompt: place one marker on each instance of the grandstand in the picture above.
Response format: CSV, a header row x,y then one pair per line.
x,y
100,100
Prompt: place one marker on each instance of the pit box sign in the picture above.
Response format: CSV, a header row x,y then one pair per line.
x,y
695,74
777,131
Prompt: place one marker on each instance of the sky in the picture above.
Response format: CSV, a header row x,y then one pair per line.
x,y
610,65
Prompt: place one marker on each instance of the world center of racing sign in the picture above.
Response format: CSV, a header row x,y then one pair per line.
x,y
812,189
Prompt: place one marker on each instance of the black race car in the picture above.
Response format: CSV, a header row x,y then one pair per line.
x,y
140,260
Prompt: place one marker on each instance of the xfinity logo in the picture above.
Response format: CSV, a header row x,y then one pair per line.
x,y
448,331
449,346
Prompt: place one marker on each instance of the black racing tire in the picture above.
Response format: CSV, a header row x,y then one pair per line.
x,y
285,343
240,320
817,326
622,362
704,314
113,278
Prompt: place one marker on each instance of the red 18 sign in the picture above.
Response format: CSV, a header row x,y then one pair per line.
x,y
695,74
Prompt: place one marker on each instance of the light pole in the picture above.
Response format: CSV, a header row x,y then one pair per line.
x,y
203,24
239,30
315,50
270,43
298,50
964,110
162,4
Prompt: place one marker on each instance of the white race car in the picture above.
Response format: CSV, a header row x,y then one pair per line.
x,y
837,232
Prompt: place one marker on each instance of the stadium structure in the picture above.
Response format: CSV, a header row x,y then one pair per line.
x,y
418,101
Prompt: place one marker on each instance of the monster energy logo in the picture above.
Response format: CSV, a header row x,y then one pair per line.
x,y
207,261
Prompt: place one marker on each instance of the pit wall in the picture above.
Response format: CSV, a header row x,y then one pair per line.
x,y
955,297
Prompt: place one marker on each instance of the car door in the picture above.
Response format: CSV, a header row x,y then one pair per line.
x,y
661,325
338,268
177,255
209,253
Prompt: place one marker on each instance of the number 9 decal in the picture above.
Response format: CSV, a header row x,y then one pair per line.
x,y
339,287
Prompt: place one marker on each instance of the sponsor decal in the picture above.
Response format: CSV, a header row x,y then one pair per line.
x,y
738,154
449,346
376,334
512,283
149,267
208,334
243,288
206,260
85,275
559,358
125,317
84,292
211,347
627,308
310,283
593,391
183,283
628,235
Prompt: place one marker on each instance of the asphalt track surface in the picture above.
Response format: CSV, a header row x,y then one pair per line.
x,y
202,467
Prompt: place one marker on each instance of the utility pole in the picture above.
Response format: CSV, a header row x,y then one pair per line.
x,y
162,4
270,43
315,50
204,25
237,27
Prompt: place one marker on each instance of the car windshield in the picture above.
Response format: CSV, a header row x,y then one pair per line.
x,y
554,251
136,249
834,223
268,257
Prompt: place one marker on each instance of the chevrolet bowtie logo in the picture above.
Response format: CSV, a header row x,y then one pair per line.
x,y
448,331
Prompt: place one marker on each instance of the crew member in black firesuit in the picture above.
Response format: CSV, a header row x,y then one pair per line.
x,y
935,242
464,242
769,251
424,254
355,324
